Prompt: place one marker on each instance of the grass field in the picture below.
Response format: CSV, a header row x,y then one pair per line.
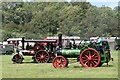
x,y
75,70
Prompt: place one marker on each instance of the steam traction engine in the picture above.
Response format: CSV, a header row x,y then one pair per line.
x,y
42,51
88,54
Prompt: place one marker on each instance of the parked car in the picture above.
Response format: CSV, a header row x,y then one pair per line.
x,y
7,49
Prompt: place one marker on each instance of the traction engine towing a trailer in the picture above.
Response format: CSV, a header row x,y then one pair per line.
x,y
88,54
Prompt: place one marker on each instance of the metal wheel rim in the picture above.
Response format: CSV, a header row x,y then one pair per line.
x,y
59,62
42,57
18,58
90,58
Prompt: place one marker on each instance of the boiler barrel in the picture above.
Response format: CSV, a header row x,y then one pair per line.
x,y
70,52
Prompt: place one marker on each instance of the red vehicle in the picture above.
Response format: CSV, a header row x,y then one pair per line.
x,y
42,51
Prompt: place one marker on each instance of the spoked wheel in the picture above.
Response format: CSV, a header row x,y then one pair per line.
x,y
18,58
90,58
42,57
60,62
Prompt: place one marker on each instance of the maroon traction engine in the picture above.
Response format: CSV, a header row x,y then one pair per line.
x,y
42,51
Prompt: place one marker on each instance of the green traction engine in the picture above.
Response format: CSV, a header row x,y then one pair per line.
x,y
89,55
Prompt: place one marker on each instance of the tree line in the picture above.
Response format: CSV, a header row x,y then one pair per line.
x,y
37,20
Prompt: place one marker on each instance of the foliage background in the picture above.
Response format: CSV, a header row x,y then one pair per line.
x,y
36,20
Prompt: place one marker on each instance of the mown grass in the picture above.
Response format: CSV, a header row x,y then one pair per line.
x,y
33,70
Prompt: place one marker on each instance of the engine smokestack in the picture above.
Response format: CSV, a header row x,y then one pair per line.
x,y
60,40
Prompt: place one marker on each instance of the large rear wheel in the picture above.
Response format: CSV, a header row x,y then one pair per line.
x,y
90,58
42,57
